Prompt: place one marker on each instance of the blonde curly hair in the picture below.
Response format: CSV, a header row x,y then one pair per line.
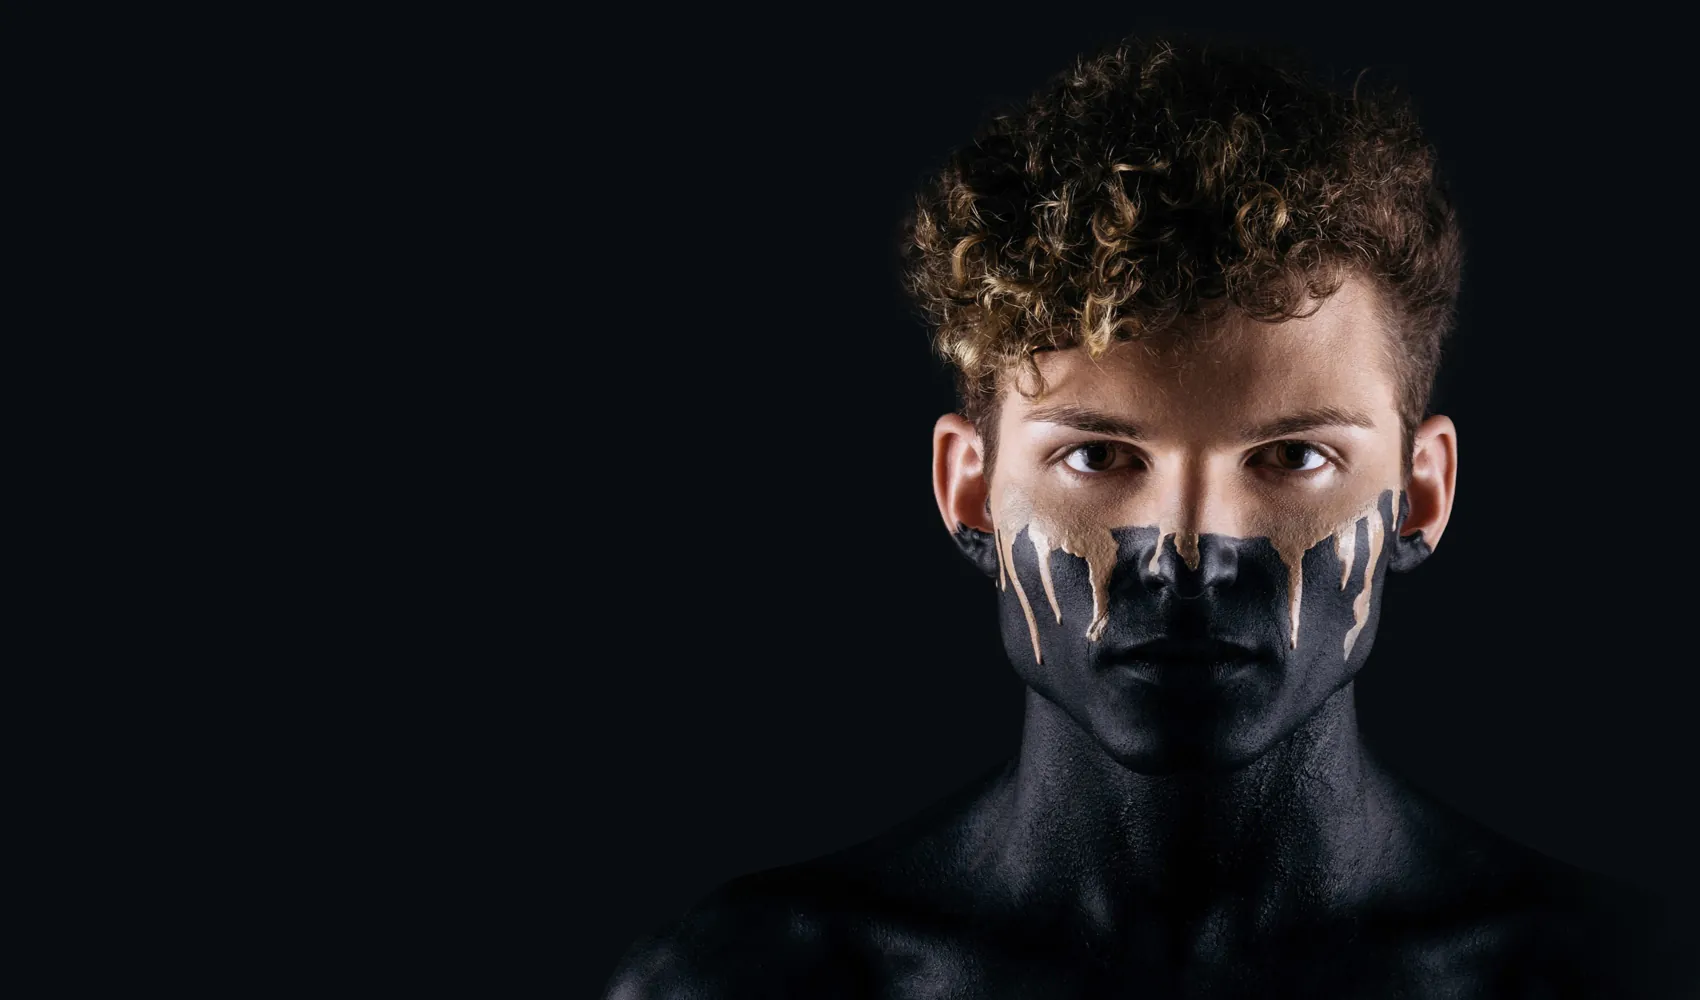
x,y
1159,180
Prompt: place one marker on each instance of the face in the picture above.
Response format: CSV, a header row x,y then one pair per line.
x,y
1192,534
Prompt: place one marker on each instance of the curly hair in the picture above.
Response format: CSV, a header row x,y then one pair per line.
x,y
1160,180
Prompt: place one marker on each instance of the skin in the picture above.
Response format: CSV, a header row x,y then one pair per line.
x,y
1191,812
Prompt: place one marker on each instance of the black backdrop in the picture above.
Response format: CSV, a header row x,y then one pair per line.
x,y
768,648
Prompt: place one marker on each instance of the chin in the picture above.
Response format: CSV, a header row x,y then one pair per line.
x,y
1156,728
1190,743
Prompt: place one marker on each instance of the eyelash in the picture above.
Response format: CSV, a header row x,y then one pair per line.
x,y
1062,459
1328,457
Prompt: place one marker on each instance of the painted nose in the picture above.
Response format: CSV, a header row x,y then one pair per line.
x,y
1165,568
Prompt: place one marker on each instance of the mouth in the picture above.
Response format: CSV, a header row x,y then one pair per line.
x,y
1186,662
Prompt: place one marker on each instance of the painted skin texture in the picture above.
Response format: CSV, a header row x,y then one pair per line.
x,y
1191,812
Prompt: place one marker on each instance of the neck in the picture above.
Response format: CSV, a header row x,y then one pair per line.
x,y
1302,826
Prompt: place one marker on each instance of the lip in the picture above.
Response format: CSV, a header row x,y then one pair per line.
x,y
1186,662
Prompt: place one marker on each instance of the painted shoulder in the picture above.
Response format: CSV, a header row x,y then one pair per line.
x,y
811,929
764,935
1569,931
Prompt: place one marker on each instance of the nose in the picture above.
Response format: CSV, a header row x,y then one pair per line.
x,y
1192,553
1171,566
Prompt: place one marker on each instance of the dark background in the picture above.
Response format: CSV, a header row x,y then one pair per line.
x,y
773,650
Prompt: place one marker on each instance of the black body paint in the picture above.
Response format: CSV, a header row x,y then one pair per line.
x,y
1196,667
1409,551
1191,814
978,547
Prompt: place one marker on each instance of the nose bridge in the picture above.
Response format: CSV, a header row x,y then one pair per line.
x,y
1196,503
1199,501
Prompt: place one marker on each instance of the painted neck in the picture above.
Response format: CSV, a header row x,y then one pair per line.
x,y
1298,821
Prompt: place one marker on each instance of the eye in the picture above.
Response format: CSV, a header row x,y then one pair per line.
x,y
1292,456
1098,456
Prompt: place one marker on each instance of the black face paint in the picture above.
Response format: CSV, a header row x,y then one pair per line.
x,y
1409,551
978,547
1196,664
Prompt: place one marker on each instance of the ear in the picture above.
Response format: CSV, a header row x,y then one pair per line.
x,y
962,491
1427,500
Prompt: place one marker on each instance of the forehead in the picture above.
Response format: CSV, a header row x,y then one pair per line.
x,y
1234,369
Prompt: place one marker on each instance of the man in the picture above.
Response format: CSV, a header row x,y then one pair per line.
x,y
1196,302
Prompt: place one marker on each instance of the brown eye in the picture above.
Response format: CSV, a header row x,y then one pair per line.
x,y
1296,456
1097,456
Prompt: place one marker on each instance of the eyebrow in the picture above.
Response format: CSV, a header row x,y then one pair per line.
x,y
1082,419
1308,420
1094,422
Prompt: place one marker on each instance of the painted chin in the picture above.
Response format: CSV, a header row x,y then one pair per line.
x,y
1205,652
1219,716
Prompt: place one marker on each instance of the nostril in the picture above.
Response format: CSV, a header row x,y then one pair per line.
x,y
1219,563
